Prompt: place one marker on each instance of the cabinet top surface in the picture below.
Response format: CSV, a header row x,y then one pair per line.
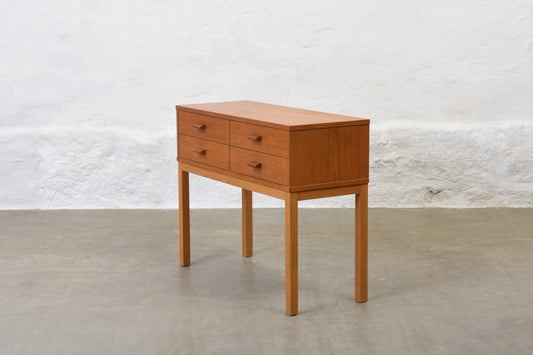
x,y
283,117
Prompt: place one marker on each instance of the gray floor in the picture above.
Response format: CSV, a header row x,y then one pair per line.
x,y
108,282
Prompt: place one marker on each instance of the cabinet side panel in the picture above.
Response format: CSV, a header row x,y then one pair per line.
x,y
178,132
328,156
351,152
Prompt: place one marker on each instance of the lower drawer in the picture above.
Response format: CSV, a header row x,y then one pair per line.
x,y
259,165
202,151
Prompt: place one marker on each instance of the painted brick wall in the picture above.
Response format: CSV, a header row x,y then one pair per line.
x,y
88,88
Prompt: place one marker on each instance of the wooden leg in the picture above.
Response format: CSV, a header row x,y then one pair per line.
x,y
361,245
185,232
247,223
291,254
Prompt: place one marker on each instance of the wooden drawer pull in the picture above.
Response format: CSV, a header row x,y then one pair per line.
x,y
199,126
200,151
254,164
255,138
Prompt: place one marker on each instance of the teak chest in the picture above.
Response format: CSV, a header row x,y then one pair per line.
x,y
284,152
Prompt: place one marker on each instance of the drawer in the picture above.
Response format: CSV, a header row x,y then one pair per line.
x,y
206,127
203,151
259,165
259,138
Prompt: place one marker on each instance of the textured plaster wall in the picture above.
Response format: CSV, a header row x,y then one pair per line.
x,y
88,88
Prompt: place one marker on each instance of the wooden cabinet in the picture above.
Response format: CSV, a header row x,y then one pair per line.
x,y
295,150
284,152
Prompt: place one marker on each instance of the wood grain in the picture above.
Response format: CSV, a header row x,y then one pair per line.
x,y
237,177
247,223
334,191
275,116
208,172
361,245
272,141
184,217
330,155
291,254
283,152
203,126
271,168
204,151
316,158
327,185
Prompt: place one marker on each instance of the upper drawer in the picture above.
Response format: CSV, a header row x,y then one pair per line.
x,y
263,139
206,127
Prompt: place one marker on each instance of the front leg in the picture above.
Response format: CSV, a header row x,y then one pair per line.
x,y
291,254
361,245
247,223
184,217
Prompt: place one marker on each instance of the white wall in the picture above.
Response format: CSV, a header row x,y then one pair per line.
x,y
88,88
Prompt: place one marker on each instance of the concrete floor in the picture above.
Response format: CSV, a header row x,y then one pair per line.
x,y
108,282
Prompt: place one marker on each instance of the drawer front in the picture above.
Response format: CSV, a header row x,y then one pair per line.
x,y
259,165
205,127
259,138
202,151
